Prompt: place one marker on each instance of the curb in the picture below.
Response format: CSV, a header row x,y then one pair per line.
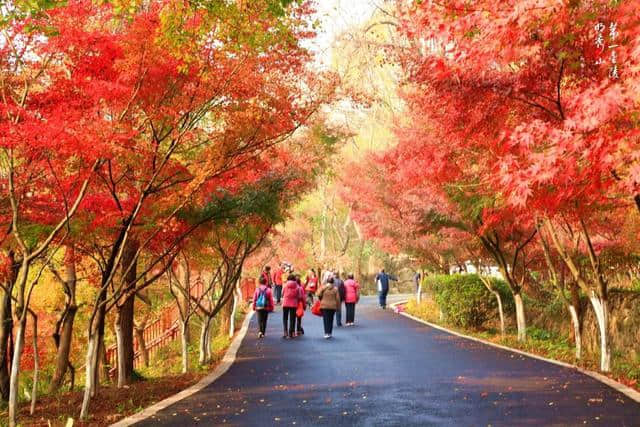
x,y
221,369
627,391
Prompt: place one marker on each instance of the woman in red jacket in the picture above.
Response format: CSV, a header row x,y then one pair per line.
x,y
352,296
291,296
262,305
311,286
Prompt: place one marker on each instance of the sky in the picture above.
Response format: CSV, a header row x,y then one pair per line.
x,y
335,16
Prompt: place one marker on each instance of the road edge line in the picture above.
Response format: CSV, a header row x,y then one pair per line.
x,y
627,391
227,360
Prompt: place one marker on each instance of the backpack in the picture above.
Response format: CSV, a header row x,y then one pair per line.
x,y
261,301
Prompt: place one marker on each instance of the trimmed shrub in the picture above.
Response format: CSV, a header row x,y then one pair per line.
x,y
465,301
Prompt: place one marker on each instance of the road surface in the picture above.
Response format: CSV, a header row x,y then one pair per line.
x,y
391,371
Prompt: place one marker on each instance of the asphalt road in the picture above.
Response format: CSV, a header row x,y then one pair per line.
x,y
391,371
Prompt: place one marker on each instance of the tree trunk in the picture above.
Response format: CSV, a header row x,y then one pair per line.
x,y
15,370
575,321
234,309
124,315
602,316
520,317
64,348
6,331
21,284
63,340
6,328
225,318
185,340
142,343
205,341
91,367
500,310
36,366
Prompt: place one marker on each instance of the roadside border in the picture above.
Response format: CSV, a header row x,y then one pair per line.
x,y
627,391
221,369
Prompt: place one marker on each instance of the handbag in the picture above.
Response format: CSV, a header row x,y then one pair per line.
x,y
316,308
300,309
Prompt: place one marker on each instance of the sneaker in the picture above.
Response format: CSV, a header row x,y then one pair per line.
x,y
327,336
260,335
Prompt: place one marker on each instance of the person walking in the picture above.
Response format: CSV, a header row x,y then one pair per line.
x,y
266,273
339,284
277,283
301,307
329,303
351,298
416,281
311,286
291,296
382,280
262,305
326,275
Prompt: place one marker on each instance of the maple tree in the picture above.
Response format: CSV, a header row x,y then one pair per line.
x,y
557,106
519,117
160,109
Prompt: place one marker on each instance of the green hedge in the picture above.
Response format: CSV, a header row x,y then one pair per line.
x,y
465,301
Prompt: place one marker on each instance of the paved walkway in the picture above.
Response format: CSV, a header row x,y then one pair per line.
x,y
391,371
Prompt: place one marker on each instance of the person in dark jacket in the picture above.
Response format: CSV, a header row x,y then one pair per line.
x,y
339,285
266,306
382,281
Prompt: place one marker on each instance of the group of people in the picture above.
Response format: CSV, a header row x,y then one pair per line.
x,y
296,297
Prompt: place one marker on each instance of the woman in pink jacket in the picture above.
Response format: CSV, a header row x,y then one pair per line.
x,y
352,296
262,305
291,296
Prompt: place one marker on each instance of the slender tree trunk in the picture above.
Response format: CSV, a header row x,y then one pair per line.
x,y
6,328
15,370
575,321
487,284
600,308
124,315
225,318
142,343
64,349
21,282
520,317
205,341
36,365
6,332
500,310
91,366
232,319
185,339
63,340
